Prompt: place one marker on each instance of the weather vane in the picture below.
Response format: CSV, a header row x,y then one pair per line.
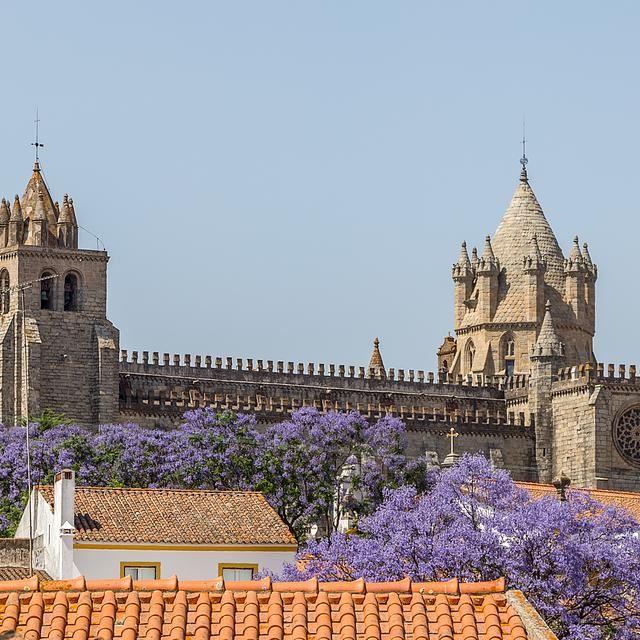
x,y
37,144
523,160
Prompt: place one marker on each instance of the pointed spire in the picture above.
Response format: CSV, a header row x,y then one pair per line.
x,y
586,256
575,254
4,212
487,252
534,260
16,211
73,212
463,260
474,258
65,213
376,365
535,248
548,342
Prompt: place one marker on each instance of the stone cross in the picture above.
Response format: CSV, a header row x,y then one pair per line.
x,y
451,435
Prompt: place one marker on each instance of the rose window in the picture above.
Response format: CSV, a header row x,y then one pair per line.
x,y
626,434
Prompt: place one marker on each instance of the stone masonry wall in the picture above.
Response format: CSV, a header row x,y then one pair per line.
x,y
587,402
72,355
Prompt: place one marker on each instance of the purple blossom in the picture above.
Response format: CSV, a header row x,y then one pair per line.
x,y
577,561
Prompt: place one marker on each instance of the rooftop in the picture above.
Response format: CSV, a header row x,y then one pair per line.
x,y
357,610
626,500
175,516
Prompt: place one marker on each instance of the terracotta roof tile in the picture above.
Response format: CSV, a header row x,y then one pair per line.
x,y
174,516
281,611
20,573
626,500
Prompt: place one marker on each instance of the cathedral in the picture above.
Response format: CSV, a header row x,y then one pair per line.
x,y
517,381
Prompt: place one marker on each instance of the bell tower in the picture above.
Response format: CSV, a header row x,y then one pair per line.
x,y
58,350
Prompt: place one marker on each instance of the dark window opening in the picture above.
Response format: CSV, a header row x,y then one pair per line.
x,y
4,292
71,292
46,292
509,367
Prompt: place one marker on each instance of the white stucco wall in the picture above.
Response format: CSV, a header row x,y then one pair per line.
x,y
45,533
187,565
101,563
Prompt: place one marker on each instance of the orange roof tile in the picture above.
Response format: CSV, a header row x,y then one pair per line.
x,y
175,516
264,611
626,500
20,573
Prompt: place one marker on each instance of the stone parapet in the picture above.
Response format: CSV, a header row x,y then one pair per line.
x,y
184,365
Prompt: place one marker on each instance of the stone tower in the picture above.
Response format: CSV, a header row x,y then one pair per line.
x,y
57,349
499,297
546,358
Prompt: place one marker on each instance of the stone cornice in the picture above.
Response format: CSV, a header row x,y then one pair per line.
x,y
53,253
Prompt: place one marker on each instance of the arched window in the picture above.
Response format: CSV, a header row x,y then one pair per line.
x,y
470,354
4,291
71,292
46,291
508,353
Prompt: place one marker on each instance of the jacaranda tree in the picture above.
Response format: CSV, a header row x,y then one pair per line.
x,y
576,560
296,463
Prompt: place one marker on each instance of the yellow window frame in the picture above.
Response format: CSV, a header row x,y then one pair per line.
x,y
134,563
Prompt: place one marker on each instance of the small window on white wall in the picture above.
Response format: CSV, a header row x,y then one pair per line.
x,y
140,570
232,572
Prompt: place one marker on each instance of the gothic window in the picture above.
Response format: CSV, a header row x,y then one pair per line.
x,y
470,353
71,292
46,291
4,291
508,351
626,435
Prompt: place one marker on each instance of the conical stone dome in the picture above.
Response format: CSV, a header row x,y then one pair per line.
x,y
522,221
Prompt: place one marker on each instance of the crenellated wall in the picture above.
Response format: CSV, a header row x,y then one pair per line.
x,y
587,404
156,390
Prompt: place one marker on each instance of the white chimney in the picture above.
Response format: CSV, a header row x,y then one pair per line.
x,y
64,498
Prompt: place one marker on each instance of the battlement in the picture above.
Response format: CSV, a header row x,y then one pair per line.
x,y
182,364
275,409
589,373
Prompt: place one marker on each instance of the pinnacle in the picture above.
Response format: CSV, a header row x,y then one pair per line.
x,y
474,258
376,362
4,212
463,260
66,213
487,252
16,211
586,256
548,342
535,249
575,254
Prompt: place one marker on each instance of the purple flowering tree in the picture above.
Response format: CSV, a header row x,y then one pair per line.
x,y
577,561
297,463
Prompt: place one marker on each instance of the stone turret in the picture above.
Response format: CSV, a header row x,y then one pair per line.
x,y
15,224
67,225
462,273
4,223
487,283
534,269
547,357
574,281
500,297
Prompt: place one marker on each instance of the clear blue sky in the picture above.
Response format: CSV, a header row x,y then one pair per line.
x,y
286,180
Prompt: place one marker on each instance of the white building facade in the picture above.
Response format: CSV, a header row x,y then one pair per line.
x,y
106,532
